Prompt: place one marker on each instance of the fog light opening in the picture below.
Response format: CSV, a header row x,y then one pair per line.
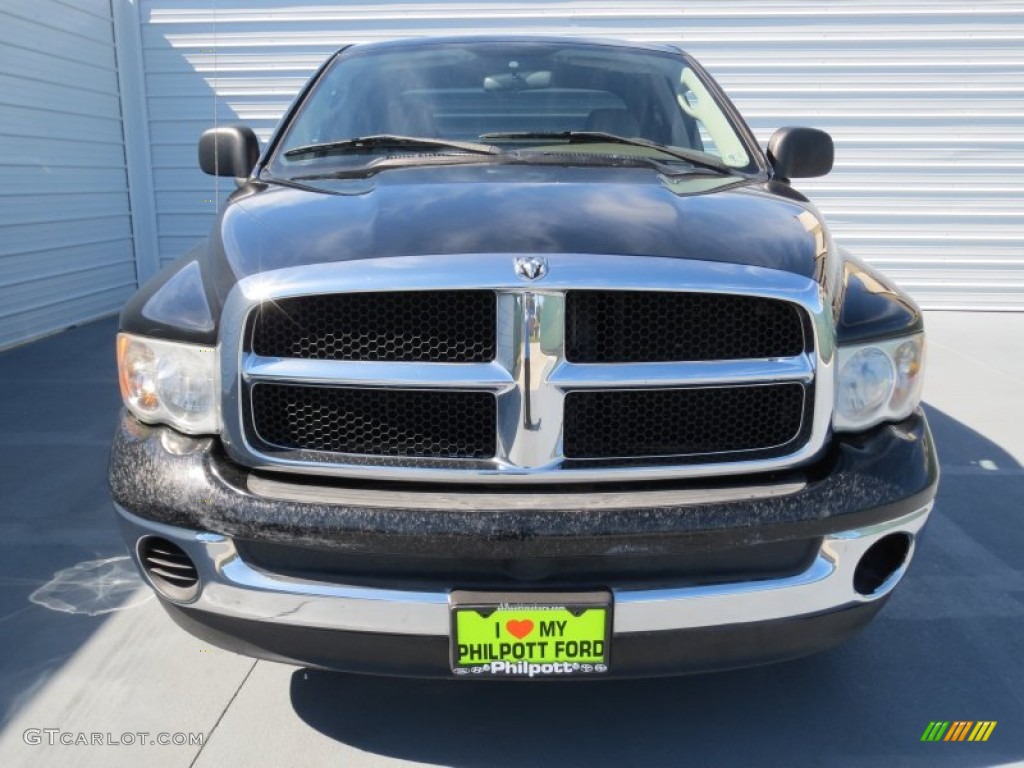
x,y
170,570
883,558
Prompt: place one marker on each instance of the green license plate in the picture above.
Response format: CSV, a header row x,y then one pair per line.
x,y
496,634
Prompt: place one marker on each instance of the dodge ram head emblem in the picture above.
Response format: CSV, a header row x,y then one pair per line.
x,y
531,267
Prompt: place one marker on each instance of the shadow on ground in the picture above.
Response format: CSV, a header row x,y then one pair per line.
x,y
946,647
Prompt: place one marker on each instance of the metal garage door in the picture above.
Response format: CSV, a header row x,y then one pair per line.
x,y
66,251
925,100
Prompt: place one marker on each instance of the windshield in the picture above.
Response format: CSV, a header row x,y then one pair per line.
x,y
524,97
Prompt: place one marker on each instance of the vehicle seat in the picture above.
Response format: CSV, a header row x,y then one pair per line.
x,y
617,121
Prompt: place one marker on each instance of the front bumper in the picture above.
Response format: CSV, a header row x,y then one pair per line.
x,y
184,490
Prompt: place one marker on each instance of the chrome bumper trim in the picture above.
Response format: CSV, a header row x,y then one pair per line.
x,y
231,587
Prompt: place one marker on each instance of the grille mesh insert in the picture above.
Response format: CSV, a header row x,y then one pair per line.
x,y
641,326
378,422
410,326
678,422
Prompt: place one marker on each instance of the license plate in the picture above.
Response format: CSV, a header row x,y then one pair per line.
x,y
497,634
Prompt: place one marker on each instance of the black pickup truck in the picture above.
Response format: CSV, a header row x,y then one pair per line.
x,y
517,358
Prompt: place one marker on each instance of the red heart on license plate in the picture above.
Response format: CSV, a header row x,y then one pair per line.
x,y
519,628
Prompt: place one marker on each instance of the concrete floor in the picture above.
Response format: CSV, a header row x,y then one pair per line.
x,y
84,649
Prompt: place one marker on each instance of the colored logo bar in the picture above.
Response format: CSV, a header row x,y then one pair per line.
x,y
958,730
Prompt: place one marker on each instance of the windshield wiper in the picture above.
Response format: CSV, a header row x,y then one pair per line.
x,y
378,164
600,137
389,141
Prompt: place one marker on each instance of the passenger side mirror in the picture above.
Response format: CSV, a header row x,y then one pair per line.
x,y
230,150
800,153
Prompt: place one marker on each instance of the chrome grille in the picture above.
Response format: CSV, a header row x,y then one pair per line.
x,y
561,396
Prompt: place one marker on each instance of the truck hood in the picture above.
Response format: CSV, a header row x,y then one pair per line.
x,y
516,209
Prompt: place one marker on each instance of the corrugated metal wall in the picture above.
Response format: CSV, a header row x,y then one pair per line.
x,y
924,98
65,231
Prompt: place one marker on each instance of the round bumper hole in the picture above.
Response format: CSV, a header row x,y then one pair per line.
x,y
171,572
882,560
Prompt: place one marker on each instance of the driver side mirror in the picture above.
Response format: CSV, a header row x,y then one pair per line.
x,y
230,150
800,153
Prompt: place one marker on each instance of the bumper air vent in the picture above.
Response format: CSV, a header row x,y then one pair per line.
x,y
170,570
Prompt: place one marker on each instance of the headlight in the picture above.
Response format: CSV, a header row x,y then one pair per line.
x,y
878,382
169,382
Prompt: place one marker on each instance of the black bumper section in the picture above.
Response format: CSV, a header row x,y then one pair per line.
x,y
888,472
640,654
